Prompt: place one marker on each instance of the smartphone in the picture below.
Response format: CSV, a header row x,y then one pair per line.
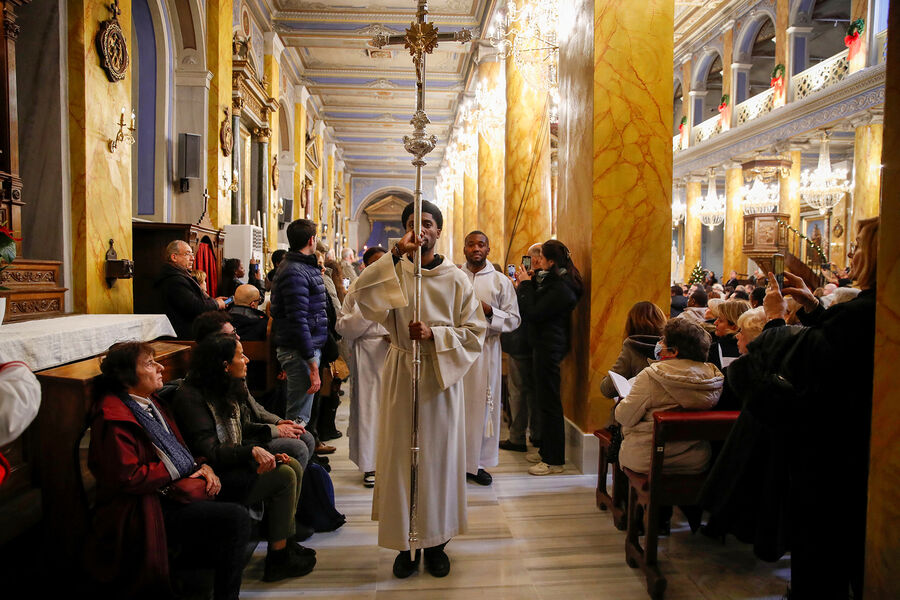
x,y
511,270
346,282
778,269
229,301
526,262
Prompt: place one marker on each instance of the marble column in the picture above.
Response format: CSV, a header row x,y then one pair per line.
x,y
782,20
470,203
301,95
218,61
329,196
318,177
686,100
101,181
727,79
262,169
458,225
867,159
527,181
273,48
693,228
236,106
789,189
882,535
615,195
734,221
491,156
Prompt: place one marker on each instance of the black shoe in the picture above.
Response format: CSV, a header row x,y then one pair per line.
x,y
535,443
299,550
508,445
330,435
403,567
437,563
302,531
283,564
482,477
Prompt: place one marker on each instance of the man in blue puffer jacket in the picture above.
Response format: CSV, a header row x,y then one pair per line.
x,y
300,325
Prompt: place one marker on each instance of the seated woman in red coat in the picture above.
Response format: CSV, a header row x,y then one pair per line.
x,y
152,495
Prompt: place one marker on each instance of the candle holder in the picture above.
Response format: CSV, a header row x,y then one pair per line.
x,y
125,134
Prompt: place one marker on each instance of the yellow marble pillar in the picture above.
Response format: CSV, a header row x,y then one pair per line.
x,y
273,78
319,179
625,257
527,180
782,21
458,225
859,9
218,62
693,229
470,203
733,254
329,199
867,160
101,180
490,196
882,578
789,189
727,46
686,104
299,156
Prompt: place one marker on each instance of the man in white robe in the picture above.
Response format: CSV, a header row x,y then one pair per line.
x,y
451,333
482,383
368,344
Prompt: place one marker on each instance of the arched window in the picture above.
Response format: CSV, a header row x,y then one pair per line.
x,y
762,58
677,107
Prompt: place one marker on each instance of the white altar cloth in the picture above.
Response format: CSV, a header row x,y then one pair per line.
x,y
47,343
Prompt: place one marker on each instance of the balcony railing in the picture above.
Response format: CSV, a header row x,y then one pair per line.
x,y
755,107
676,143
826,73
881,47
706,129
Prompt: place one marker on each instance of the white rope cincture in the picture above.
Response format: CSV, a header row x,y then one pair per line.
x,y
489,428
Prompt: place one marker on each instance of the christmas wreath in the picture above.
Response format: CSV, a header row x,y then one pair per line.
x,y
724,102
682,124
856,28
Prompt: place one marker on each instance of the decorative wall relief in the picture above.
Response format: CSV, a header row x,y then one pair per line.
x,y
275,172
112,47
226,134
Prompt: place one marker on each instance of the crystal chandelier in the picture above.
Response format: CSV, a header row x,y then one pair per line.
x,y
530,35
759,197
490,107
824,187
712,208
679,208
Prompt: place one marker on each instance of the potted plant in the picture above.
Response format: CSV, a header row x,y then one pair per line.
x,y
7,255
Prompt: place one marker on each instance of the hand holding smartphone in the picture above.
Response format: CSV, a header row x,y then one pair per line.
x,y
526,262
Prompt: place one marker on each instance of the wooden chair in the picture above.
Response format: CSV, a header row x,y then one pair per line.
x,y
617,503
262,352
657,489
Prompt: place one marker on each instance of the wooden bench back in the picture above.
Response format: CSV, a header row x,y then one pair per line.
x,y
686,426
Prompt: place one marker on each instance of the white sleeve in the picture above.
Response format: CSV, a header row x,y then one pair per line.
x,y
20,399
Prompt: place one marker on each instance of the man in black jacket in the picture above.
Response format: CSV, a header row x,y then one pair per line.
x,y
249,322
181,295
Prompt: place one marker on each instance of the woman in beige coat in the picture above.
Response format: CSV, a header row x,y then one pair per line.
x,y
680,380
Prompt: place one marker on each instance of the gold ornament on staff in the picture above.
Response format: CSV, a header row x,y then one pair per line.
x,y
420,39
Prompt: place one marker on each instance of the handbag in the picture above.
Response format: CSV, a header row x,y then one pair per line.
x,y
340,370
186,490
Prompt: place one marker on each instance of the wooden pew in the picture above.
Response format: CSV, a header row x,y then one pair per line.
x,y
617,502
656,489
65,405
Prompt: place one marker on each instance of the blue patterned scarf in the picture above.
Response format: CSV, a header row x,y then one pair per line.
x,y
162,438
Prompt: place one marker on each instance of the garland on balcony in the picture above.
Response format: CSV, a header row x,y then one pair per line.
x,y
777,81
853,39
682,124
726,99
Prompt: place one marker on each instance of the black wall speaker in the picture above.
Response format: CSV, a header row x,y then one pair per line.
x,y
286,216
190,152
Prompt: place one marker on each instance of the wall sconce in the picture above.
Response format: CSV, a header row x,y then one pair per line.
x,y
117,268
125,133
229,187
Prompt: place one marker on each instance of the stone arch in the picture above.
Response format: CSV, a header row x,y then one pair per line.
x,y
746,37
379,194
285,128
702,67
188,33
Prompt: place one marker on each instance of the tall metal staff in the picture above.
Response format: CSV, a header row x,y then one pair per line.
x,y
420,39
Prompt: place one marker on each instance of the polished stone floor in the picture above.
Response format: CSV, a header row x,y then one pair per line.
x,y
529,537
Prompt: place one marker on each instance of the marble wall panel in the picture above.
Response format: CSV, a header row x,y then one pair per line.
x,y
300,159
218,61
693,229
273,89
867,172
101,180
734,223
882,579
329,199
317,194
458,226
859,9
789,189
470,204
490,195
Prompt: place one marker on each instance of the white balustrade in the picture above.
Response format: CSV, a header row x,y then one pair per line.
x,y
706,129
881,47
755,107
826,73
676,143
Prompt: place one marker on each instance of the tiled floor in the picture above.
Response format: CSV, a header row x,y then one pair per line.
x,y
529,538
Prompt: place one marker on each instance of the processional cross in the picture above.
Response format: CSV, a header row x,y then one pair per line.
x,y
420,39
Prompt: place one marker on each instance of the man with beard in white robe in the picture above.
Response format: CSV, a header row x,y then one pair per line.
x,y
482,383
368,344
451,334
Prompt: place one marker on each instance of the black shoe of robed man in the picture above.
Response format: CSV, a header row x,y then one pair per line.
x,y
437,563
482,477
403,566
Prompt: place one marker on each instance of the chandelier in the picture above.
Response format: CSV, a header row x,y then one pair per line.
x,y
824,187
490,109
712,208
759,198
679,208
529,33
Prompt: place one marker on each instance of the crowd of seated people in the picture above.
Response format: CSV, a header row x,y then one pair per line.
x,y
768,484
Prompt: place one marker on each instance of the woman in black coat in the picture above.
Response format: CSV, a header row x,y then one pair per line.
x,y
546,303
800,387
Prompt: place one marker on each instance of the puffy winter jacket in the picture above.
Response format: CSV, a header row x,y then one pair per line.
x,y
676,383
183,299
546,310
298,305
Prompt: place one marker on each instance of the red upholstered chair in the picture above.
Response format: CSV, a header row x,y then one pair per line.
x,y
656,489
617,503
